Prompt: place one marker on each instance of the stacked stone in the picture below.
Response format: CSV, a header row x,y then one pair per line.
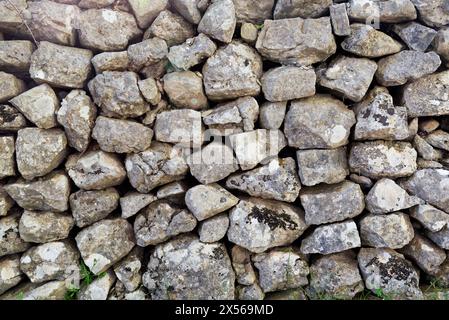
x,y
225,149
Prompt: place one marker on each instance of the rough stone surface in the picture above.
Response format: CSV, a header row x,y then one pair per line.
x,y
213,229
415,35
340,20
132,202
147,54
182,127
15,55
424,253
272,114
253,11
146,11
46,226
99,288
110,61
388,11
219,20
10,273
170,27
10,241
10,86
128,270
7,167
241,262
11,119
6,202
185,90
430,217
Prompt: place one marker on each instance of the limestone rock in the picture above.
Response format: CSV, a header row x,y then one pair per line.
x,y
387,11
15,55
424,253
128,270
213,229
10,241
133,202
430,217
301,8
174,192
170,27
249,33
426,150
181,127
251,292
241,262
440,238
253,11
6,202
52,290
146,54
99,288
150,90
415,35
219,20
10,20
110,61
272,114
94,3
7,163
10,86
10,274
433,13
340,20
188,9
438,139
11,119
46,226
146,11
185,90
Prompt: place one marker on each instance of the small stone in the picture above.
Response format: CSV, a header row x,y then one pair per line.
x,y
39,151
249,33
426,164
146,54
49,193
291,269
219,21
301,83
181,127
320,121
332,203
10,20
39,105
322,166
433,13
60,66
297,41
276,180
15,55
185,90
128,270
170,27
416,36
7,163
430,217
258,146
386,11
158,165
10,241
88,4
150,90
383,159
425,150
97,29
340,19
174,192
428,125
440,44
336,276
104,243
390,272
272,114
11,119
241,262
406,66
438,139
365,41
91,206
99,288
341,76
52,290
132,202
110,61
214,229
95,170
332,238
146,11
50,261
188,9
6,202
10,273
392,230
252,292
10,86
254,11
364,182
301,8
257,224
232,72
440,238
191,269
117,94
46,226
192,52
386,196
212,163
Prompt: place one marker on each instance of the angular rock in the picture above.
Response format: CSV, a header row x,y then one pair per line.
x,y
10,241
7,163
104,243
147,54
10,87
99,288
128,270
181,127
146,11
383,159
416,36
214,229
428,125
10,20
253,11
249,33
174,192
170,27
301,8
88,4
52,290
150,91
424,253
340,20
39,151
191,269
387,11
276,180
257,224
110,61
252,292
10,274
341,76
440,238
272,114
15,55
433,13
185,90
241,262
438,139
219,20
95,170
332,238
6,202
430,217
46,226
11,119
297,41
49,193
425,150
133,202
60,66
332,203
188,9
320,121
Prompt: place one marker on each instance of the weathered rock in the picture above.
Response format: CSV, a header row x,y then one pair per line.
x,y
60,66
39,151
332,203
428,125
188,9
10,87
150,90
49,193
39,105
146,11
297,41
251,292
430,217
10,20
181,127
233,71
185,90
10,274
117,94
318,122
89,4
390,272
205,201
292,294
249,33
156,166
386,196
50,261
128,270
424,253
276,180
170,27
440,44
46,226
110,61
52,290
253,11
301,8
392,230
91,206
332,238
340,20
95,170
428,164
349,77
146,54
11,119
212,163
322,166
292,270
15,55
161,221
433,13
441,238
336,276
104,243
301,83
6,202
99,288
213,229
97,29
383,159
133,202
416,36
241,262
174,192
258,225
219,20
192,52
193,270
406,66
272,114
387,11
425,150
438,139
10,241
7,164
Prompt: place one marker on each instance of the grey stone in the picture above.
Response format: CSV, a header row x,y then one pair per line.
x,y
10,86
440,44
219,20
146,11
185,90
188,9
110,61
128,270
430,217
428,125
433,13
425,150
170,27
174,192
181,127
10,273
132,202
249,33
10,241
11,119
416,36
44,226
388,11
254,11
6,202
15,55
301,8
251,292
7,163
10,20
438,139
241,262
424,253
88,4
272,114
213,229
364,182
440,238
340,19
150,90
52,290
147,54
99,288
